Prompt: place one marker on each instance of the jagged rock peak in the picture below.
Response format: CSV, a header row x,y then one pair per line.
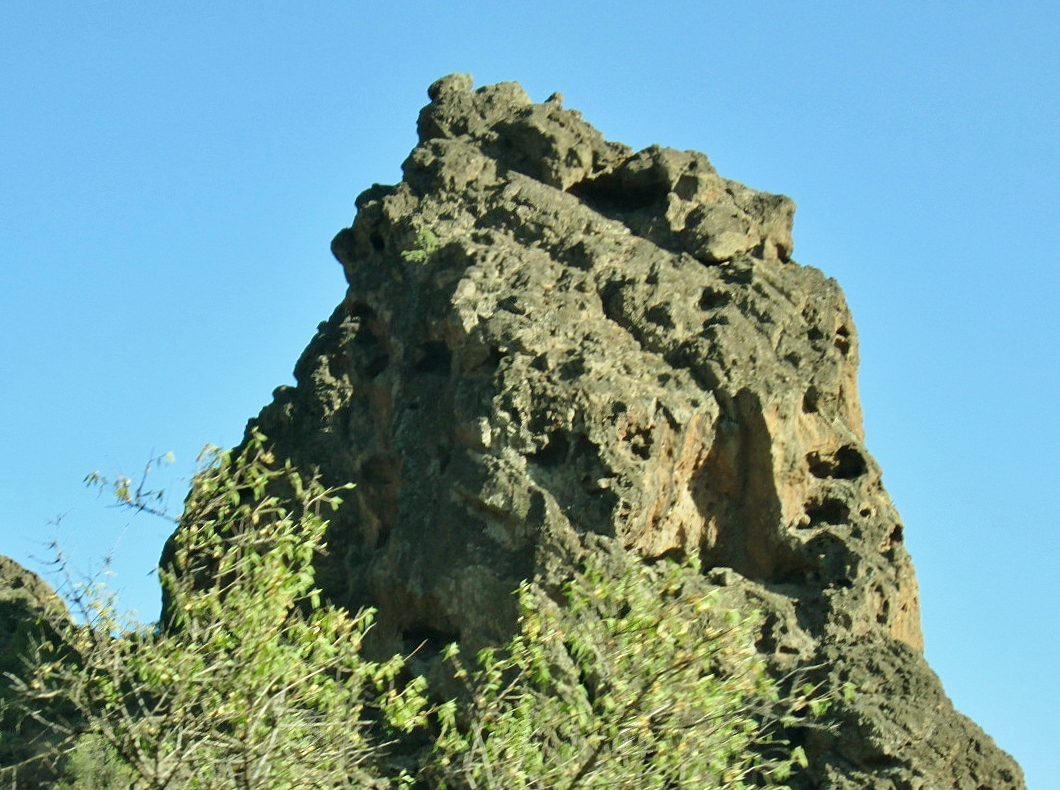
x,y
675,198
550,343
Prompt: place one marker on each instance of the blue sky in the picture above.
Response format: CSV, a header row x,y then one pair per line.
x,y
171,176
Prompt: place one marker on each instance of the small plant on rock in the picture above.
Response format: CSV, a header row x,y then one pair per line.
x,y
636,680
423,248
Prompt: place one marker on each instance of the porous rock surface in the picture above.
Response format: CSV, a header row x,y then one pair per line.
x,y
597,344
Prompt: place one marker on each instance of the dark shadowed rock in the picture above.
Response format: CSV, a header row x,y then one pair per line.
x,y
29,609
27,605
595,342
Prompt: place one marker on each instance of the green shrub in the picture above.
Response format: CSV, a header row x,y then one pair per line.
x,y
638,680
425,245
93,764
255,684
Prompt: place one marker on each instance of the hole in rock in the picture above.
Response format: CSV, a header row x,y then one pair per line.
x,y
884,614
555,452
610,192
493,361
613,301
846,463
434,358
842,340
714,320
810,401
660,316
640,444
673,554
510,304
376,365
897,534
368,344
362,311
827,511
835,562
738,272
591,486
424,638
572,369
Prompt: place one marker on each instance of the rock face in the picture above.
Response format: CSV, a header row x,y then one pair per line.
x,y
26,602
550,340
27,605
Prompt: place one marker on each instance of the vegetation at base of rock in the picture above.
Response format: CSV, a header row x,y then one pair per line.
x,y
93,764
634,677
254,684
636,680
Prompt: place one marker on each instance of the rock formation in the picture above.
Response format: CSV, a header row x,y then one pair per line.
x,y
550,340
26,601
28,605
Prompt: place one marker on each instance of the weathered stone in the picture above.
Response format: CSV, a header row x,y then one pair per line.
x,y
27,604
613,344
29,609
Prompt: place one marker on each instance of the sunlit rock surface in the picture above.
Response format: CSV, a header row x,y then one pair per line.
x,y
550,340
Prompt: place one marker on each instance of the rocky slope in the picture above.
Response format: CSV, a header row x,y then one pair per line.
x,y
550,340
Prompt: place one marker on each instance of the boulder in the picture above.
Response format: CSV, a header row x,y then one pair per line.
x,y
550,340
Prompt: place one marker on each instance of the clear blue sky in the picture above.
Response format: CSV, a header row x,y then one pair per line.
x,y
171,175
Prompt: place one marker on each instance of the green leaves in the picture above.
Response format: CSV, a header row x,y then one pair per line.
x,y
255,685
636,677
425,246
635,680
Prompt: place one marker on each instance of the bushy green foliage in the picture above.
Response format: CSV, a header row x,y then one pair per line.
x,y
425,246
254,684
93,764
637,680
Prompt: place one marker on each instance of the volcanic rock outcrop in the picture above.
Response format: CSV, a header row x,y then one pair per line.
x,y
27,603
551,341
29,609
